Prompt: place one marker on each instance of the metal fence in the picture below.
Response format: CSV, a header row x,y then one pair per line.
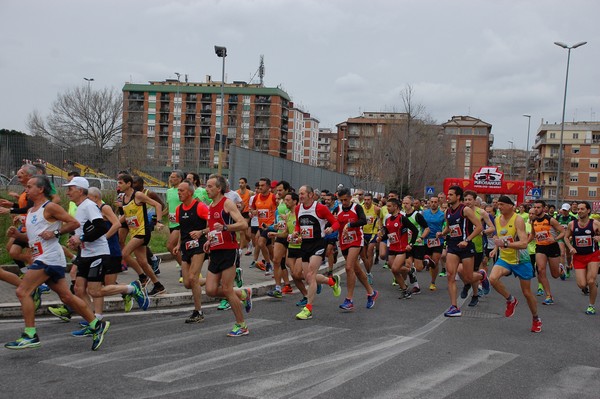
x,y
253,165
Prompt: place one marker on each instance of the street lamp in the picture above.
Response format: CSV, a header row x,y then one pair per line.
x,y
562,124
512,157
526,156
89,80
221,53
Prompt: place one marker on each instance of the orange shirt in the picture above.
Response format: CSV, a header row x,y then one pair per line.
x,y
245,200
265,205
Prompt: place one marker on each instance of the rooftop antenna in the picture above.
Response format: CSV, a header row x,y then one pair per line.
x,y
260,71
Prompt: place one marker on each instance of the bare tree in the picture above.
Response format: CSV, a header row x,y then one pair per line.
x,y
82,117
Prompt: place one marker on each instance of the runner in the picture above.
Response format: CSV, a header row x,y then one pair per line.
x,y
331,240
280,242
435,219
416,254
565,217
462,226
511,241
224,219
351,218
585,234
172,198
191,216
152,219
547,250
370,233
245,194
265,205
43,231
311,218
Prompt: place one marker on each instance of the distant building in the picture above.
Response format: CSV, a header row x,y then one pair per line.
x,y
470,140
327,151
303,133
172,124
581,155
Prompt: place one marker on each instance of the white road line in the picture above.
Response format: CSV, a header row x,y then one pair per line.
x,y
577,382
444,379
125,351
194,365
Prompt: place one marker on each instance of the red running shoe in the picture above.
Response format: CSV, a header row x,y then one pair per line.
x,y
510,307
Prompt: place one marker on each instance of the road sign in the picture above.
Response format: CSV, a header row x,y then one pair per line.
x,y
535,192
429,190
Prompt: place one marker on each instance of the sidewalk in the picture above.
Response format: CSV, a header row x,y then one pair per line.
x,y
177,294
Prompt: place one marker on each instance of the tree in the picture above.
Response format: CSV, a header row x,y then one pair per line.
x,y
82,117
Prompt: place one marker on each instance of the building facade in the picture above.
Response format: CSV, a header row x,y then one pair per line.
x,y
177,125
327,151
470,141
581,155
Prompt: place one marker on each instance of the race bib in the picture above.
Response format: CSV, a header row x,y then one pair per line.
x,y
36,249
306,232
216,238
433,242
393,238
133,221
455,231
370,219
583,241
281,225
172,218
542,236
349,237
263,213
191,245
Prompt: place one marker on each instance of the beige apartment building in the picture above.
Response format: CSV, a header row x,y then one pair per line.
x,y
469,140
581,155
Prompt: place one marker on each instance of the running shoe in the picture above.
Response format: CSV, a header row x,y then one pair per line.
x,y
304,314
180,279
591,310
61,312
567,272
44,289
302,302
127,302
442,273
158,289
371,299
480,292
585,291
347,305
453,311
98,337
275,294
370,278
224,305
319,288
238,331
155,265
540,292
405,294
238,277
141,294
432,287
24,342
337,290
252,264
474,301
37,297
248,301
144,280
195,317
510,307
268,269
548,301
485,282
563,273
85,331
287,289
415,290
261,265
430,262
248,252
394,282
412,277
536,326
465,291
386,266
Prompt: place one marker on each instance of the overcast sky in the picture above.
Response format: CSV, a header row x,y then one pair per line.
x,y
494,60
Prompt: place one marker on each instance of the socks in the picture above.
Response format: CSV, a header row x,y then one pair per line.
x,y
30,331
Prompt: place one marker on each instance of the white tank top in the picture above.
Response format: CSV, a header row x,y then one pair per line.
x,y
46,251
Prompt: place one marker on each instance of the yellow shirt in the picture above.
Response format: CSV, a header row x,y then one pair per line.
x,y
372,220
135,217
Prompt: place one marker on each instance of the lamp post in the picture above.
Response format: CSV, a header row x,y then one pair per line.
x,y
89,80
526,156
343,144
512,158
562,124
221,53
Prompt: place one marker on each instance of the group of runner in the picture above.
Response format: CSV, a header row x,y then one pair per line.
x,y
296,233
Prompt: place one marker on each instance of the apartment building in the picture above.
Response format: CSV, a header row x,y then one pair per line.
x,y
327,152
177,125
470,141
581,155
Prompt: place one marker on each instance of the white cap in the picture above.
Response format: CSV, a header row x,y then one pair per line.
x,y
566,207
78,181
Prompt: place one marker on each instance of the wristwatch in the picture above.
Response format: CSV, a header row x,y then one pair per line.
x,y
56,233
225,228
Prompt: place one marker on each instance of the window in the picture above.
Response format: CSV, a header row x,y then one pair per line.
x,y
574,179
575,135
575,150
552,135
592,192
552,192
572,192
594,150
593,165
593,179
574,164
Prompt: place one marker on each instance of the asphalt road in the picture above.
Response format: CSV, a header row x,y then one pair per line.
x,y
399,349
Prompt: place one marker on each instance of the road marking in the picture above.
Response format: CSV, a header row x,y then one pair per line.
x,y
581,382
194,365
125,351
444,379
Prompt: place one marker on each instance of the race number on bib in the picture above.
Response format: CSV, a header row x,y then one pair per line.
x,y
306,232
349,237
393,238
172,218
216,238
455,231
433,242
133,221
192,244
583,241
36,249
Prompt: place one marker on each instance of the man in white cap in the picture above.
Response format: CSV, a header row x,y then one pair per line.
x,y
565,217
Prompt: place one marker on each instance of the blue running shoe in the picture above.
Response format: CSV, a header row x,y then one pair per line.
x,y
371,299
141,295
548,301
101,329
347,305
302,302
83,332
238,331
24,342
44,289
248,300
453,311
319,288
485,282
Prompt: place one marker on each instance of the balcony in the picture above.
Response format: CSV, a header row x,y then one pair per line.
x,y
192,98
206,97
